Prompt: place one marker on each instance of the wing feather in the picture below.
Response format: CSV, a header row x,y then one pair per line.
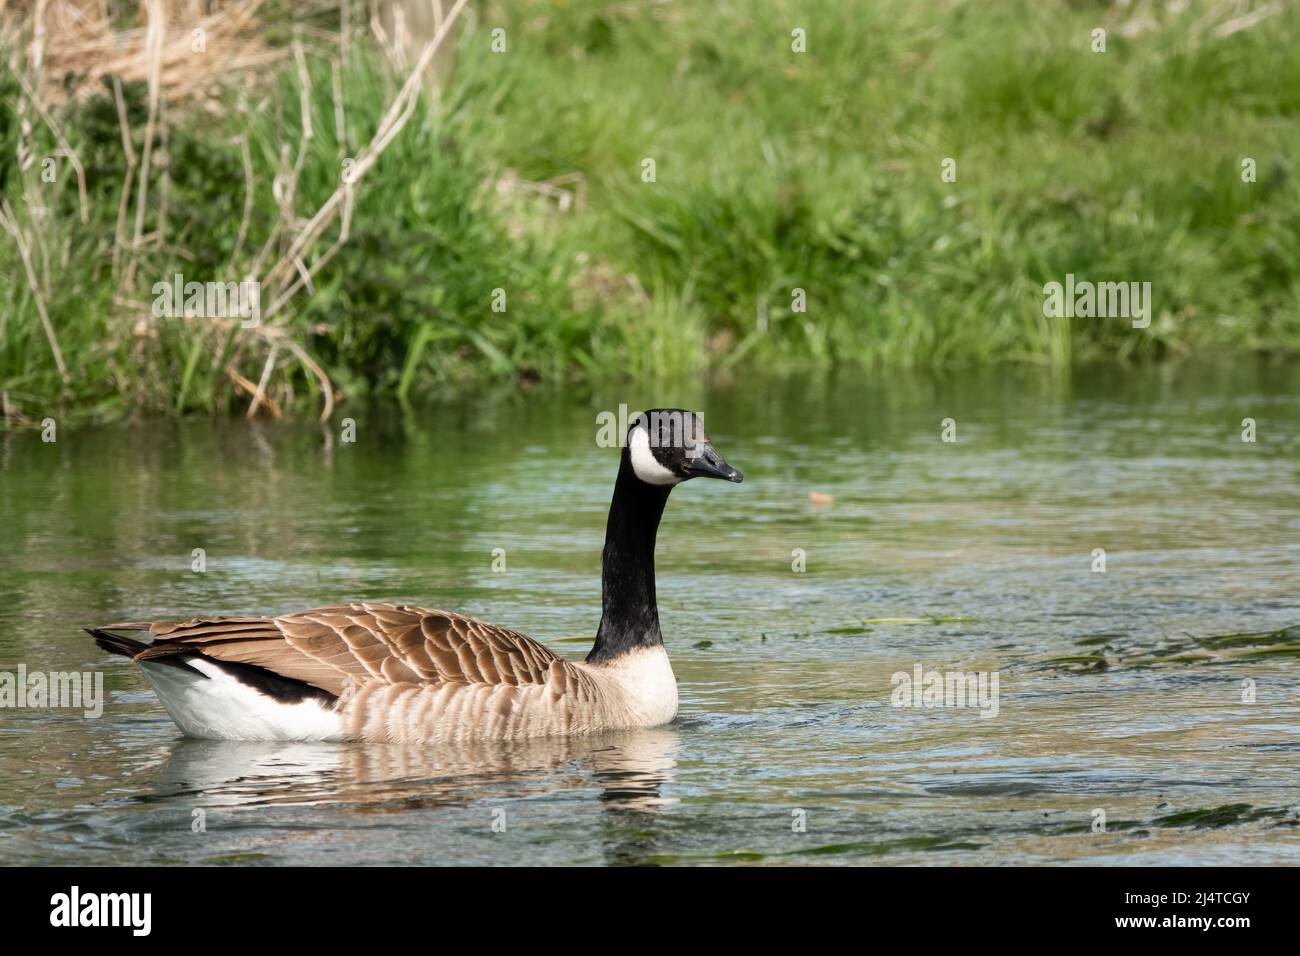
x,y
334,647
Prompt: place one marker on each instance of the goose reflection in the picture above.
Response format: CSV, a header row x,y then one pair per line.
x,y
630,769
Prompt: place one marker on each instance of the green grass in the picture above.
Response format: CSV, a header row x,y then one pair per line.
x,y
775,171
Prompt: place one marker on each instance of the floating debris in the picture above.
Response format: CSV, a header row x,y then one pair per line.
x,y
919,620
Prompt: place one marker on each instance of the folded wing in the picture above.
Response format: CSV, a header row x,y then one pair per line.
x,y
332,647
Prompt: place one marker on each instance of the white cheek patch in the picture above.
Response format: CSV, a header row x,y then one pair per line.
x,y
644,462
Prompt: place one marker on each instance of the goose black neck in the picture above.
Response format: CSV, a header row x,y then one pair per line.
x,y
630,617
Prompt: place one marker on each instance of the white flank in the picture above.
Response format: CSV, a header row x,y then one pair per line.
x,y
644,462
223,708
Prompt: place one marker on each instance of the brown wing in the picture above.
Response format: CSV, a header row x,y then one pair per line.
x,y
326,647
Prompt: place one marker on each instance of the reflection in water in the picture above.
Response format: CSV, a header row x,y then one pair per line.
x,y
631,768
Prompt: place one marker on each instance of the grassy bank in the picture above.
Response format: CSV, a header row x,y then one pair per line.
x,y
774,171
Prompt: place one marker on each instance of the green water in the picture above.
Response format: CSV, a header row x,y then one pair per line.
x,y
977,555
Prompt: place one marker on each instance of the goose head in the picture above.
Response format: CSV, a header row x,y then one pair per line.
x,y
666,446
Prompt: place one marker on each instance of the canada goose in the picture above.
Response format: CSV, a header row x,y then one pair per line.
x,y
385,672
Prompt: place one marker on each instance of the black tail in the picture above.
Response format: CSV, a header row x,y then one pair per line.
x,y
114,643
126,647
